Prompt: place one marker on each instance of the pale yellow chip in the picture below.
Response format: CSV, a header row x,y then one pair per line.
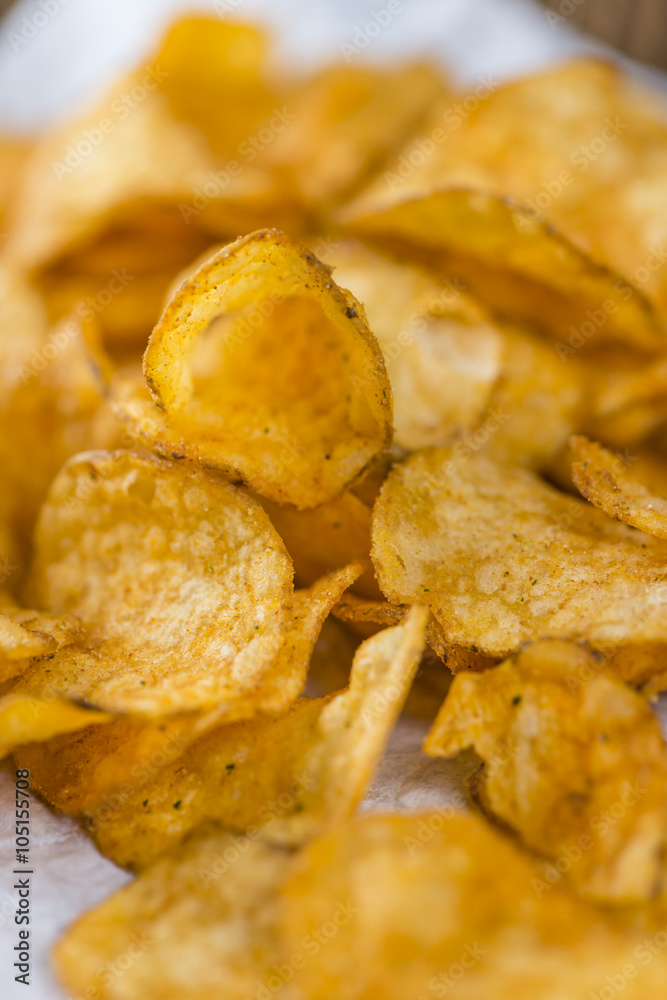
x,y
261,366
436,904
606,480
26,719
574,761
201,923
182,584
290,775
501,557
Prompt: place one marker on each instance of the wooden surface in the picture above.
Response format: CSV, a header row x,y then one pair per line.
x,y
636,27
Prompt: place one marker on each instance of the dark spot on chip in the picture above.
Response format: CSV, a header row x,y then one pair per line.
x,y
516,700
177,805
230,767
176,454
351,313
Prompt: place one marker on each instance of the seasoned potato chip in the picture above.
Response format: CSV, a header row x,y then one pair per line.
x,y
604,479
218,366
574,761
433,903
501,557
520,264
199,924
289,775
533,157
443,353
98,771
25,633
346,120
326,537
182,583
26,719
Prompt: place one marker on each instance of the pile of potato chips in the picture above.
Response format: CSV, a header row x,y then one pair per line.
x,y
397,445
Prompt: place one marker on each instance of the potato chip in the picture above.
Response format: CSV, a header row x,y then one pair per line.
x,y
289,775
51,390
26,719
326,537
98,770
200,923
574,761
182,584
606,480
25,633
357,611
433,336
432,903
531,158
228,387
346,120
501,557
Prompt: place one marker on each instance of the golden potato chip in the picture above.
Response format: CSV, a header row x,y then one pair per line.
x,y
97,767
51,390
606,480
13,152
200,923
98,770
182,584
531,158
535,405
346,120
26,719
501,557
326,537
25,633
434,904
289,775
229,388
356,611
574,761
443,353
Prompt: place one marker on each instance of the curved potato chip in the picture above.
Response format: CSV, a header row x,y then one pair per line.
x,y
530,158
606,480
25,633
326,537
26,719
199,924
212,379
505,237
443,354
434,904
182,583
573,760
98,771
501,557
289,775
